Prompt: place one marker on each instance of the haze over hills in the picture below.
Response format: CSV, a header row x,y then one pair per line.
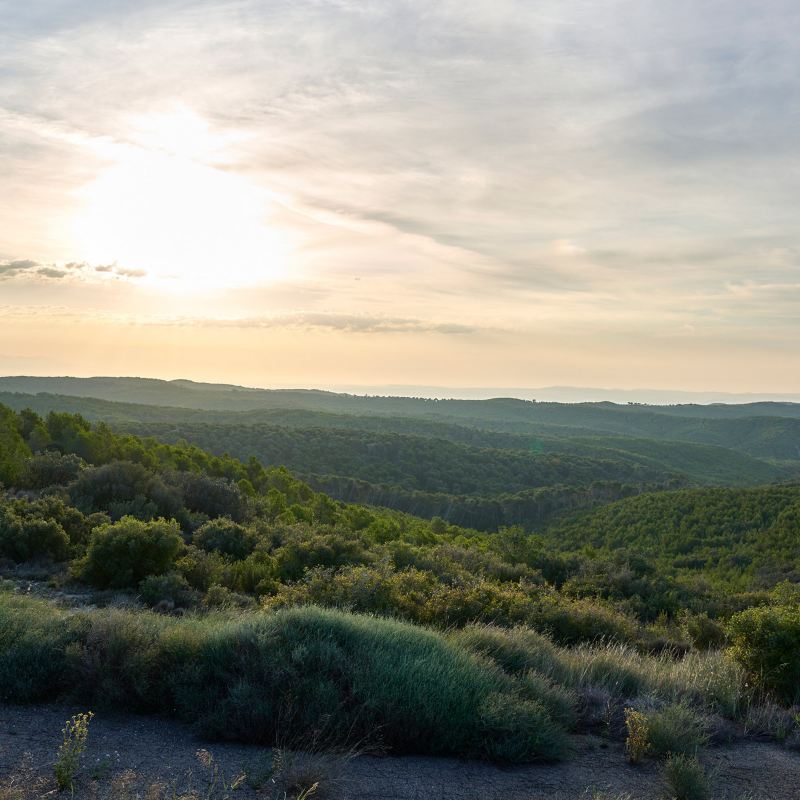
x,y
480,463
179,392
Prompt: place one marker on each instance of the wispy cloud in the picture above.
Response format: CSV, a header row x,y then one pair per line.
x,y
27,269
621,169
349,323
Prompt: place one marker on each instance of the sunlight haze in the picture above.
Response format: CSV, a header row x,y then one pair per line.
x,y
366,193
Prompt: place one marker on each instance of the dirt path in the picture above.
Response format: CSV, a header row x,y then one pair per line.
x,y
153,750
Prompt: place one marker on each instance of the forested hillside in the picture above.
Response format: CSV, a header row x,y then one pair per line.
x,y
507,633
78,476
747,537
765,430
480,473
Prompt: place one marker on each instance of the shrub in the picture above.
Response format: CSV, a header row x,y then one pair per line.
x,y
52,469
226,537
122,554
170,588
419,596
123,488
14,452
637,744
766,642
200,569
26,538
559,702
34,638
516,650
516,728
264,678
217,497
677,729
704,633
686,778
221,597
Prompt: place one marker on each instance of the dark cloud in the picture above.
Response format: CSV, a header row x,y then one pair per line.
x,y
30,269
10,268
51,272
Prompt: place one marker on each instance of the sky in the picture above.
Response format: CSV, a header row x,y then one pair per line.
x,y
472,193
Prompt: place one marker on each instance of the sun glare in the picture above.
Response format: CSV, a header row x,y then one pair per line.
x,y
160,209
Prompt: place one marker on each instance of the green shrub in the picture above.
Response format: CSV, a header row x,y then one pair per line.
x,y
222,597
515,650
515,728
212,495
14,452
226,537
121,489
52,469
559,702
703,632
122,554
676,729
201,569
419,596
25,538
170,588
34,639
261,678
686,779
766,642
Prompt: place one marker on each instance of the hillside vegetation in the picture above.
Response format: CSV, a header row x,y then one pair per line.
x,y
741,536
496,644
469,476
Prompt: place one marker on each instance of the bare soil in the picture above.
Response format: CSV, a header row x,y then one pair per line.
x,y
149,750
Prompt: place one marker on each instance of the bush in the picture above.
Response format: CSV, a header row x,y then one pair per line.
x,y
34,638
686,778
221,597
52,469
200,569
170,588
123,488
25,538
676,729
517,651
122,554
704,632
217,497
264,678
226,537
419,596
766,642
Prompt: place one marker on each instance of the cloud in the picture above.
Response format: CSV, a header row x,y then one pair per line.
x,y
626,165
11,268
29,269
51,272
347,323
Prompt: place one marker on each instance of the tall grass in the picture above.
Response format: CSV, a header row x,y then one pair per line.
x,y
507,694
707,679
265,677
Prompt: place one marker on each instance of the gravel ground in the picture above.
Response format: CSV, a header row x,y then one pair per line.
x,y
148,750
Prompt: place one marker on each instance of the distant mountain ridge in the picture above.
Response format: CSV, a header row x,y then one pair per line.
x,y
192,394
479,463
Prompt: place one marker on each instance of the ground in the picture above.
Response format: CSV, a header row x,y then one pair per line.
x,y
150,750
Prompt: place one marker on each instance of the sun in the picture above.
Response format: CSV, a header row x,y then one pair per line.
x,y
165,208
